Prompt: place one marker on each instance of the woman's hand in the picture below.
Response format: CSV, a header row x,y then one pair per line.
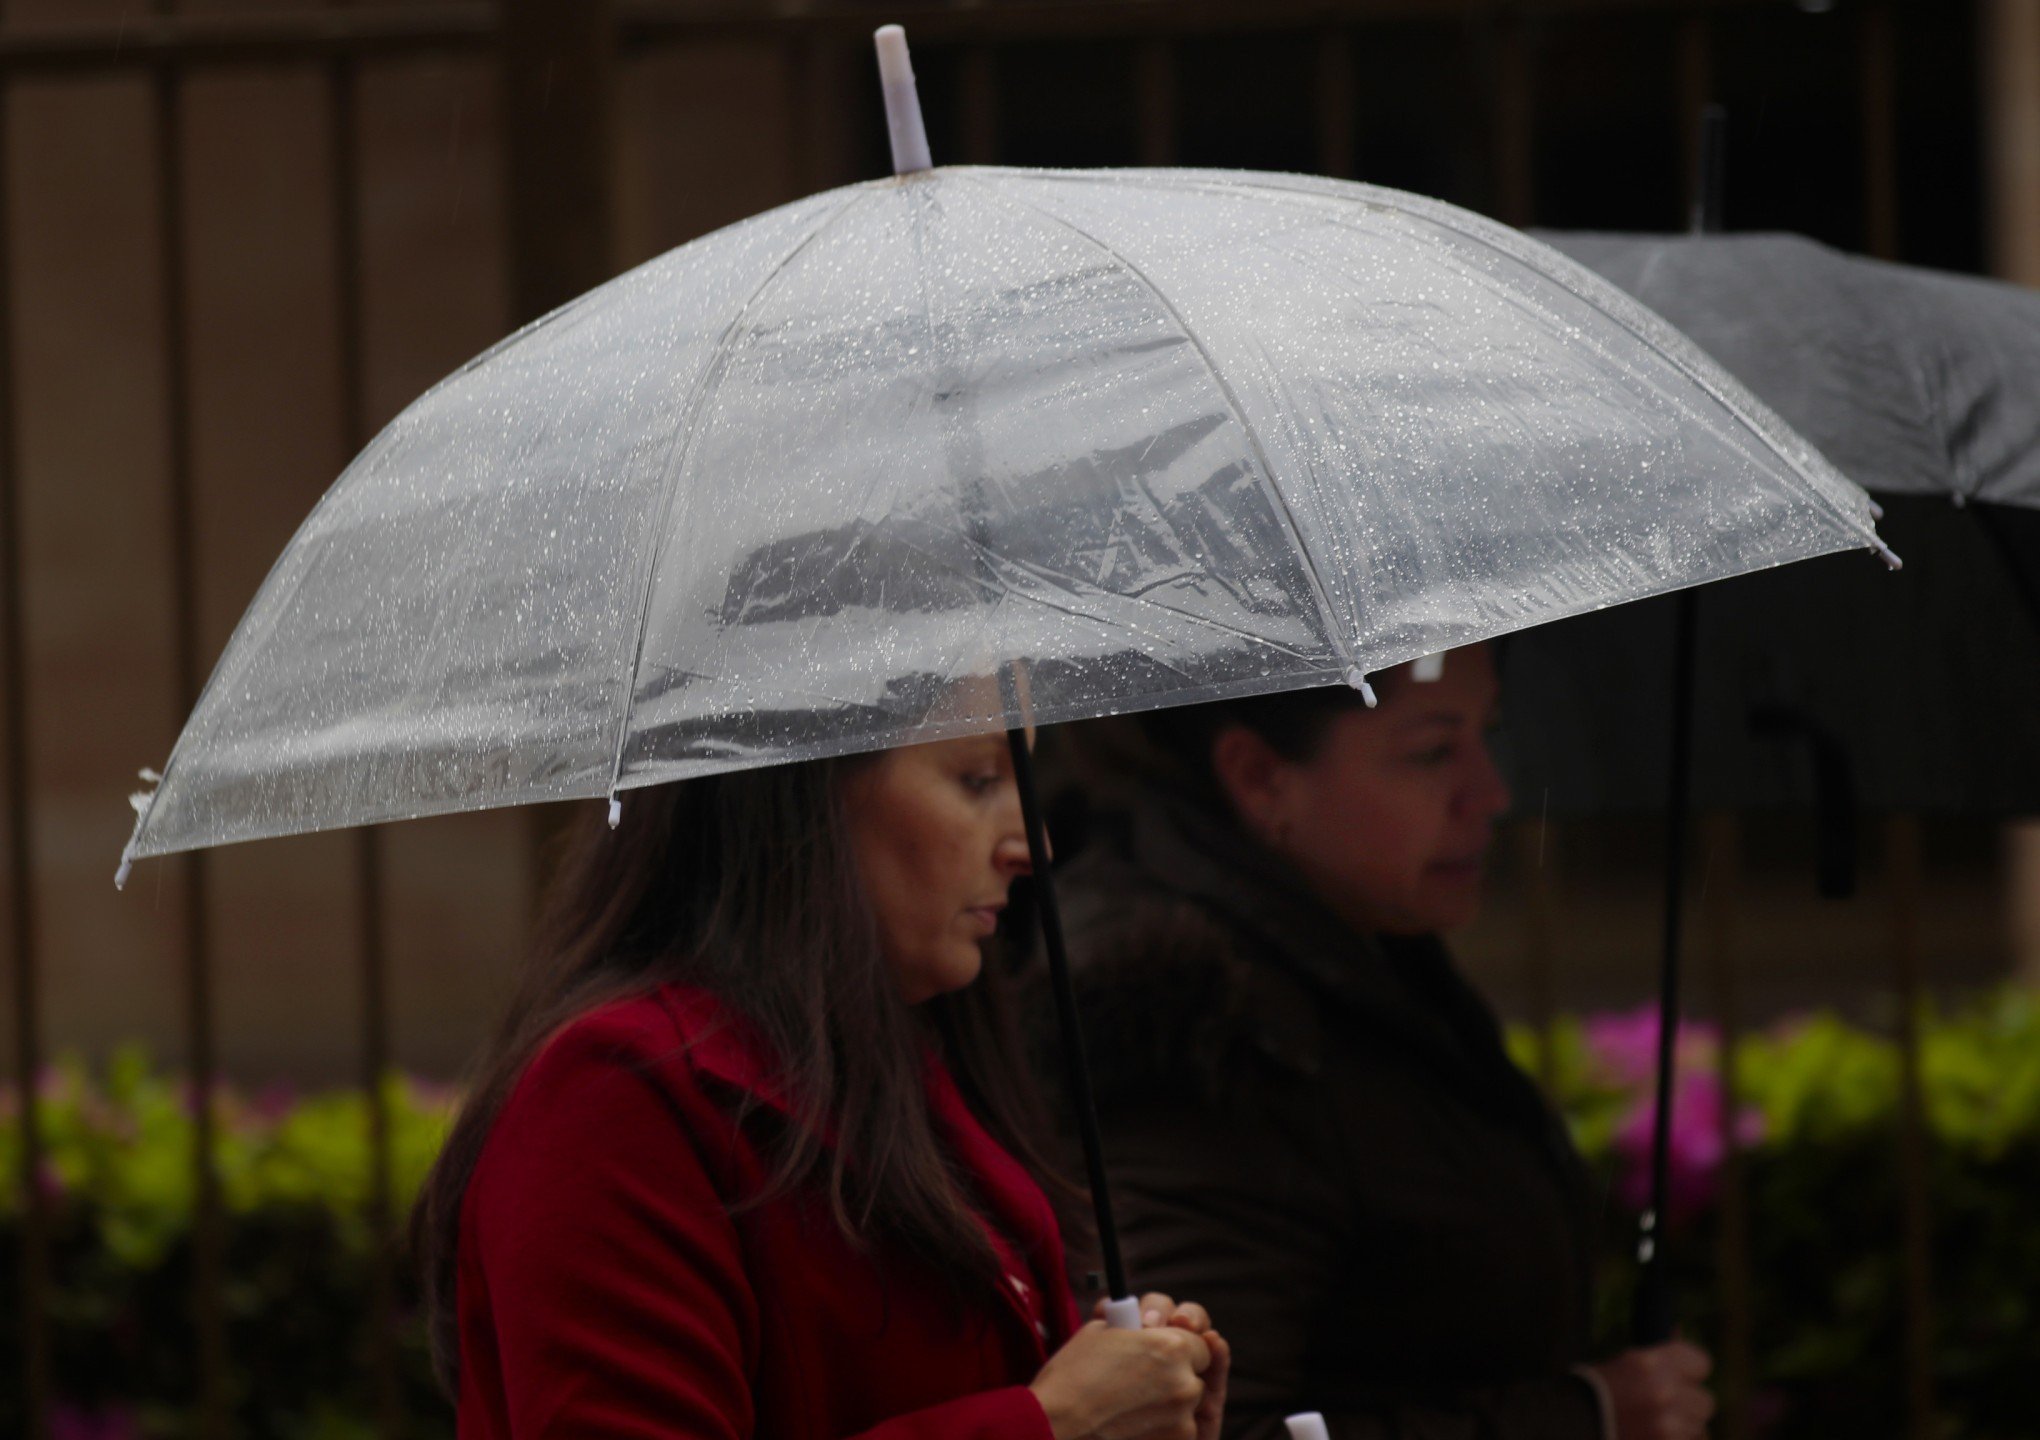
x,y
1658,1393
1144,1384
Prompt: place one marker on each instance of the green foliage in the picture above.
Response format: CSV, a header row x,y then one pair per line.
x,y
1817,1106
295,1186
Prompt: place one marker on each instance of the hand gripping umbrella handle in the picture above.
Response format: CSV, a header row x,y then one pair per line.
x,y
1123,1313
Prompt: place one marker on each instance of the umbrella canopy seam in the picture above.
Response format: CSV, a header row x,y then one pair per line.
x,y
1334,631
712,371
1605,297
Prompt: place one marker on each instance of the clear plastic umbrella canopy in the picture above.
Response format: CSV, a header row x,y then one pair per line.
x,y
807,485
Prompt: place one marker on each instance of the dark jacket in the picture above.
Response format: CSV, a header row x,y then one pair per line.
x,y
607,1288
1319,1136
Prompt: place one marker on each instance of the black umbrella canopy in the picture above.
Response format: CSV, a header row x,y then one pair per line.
x,y
1923,684
1921,689
1911,381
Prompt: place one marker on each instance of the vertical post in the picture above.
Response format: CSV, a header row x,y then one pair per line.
x,y
978,95
25,989
2010,68
345,183
1537,853
1722,833
1877,64
208,1238
1514,135
1337,96
558,64
1903,873
1695,91
1155,85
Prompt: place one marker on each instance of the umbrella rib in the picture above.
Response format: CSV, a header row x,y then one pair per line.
x,y
1495,237
1334,633
705,386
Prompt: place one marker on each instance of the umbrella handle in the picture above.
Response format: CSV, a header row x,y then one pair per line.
x,y
1307,1425
1123,1313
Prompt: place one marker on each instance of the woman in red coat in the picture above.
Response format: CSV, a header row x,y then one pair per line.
x,y
752,1154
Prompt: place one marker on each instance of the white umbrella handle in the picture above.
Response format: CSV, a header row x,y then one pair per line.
x,y
1307,1425
902,102
1123,1313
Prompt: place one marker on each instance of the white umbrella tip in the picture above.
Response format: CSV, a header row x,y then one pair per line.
x,y
894,65
902,102
1307,1425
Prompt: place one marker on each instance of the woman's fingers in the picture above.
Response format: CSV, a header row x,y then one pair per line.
x,y
1156,1309
1192,1317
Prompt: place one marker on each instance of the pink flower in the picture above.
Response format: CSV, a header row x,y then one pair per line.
x,y
72,1422
273,1102
1699,1145
1626,1044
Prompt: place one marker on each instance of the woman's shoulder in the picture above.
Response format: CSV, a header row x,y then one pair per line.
x,y
670,1037
1161,985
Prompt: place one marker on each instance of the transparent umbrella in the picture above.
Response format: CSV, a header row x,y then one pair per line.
x,y
964,449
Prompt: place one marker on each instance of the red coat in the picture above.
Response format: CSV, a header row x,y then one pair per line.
x,y
606,1291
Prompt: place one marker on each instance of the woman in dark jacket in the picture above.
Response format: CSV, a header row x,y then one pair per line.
x,y
1310,1118
751,1155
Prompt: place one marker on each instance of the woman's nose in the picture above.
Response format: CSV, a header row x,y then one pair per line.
x,y
1011,856
1485,793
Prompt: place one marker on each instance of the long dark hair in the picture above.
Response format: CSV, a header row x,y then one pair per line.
x,y
745,885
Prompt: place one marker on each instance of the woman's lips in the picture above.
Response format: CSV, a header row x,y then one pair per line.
x,y
985,917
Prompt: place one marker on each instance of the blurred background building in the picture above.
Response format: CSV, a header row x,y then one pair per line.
x,y
237,237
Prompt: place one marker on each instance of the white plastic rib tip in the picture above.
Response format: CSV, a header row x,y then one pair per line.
x,y
1428,669
615,812
120,876
1359,682
1307,1425
1123,1313
1885,554
902,102
1877,511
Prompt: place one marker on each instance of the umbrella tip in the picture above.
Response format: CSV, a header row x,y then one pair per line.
x,y
1891,560
902,101
615,812
120,876
1359,682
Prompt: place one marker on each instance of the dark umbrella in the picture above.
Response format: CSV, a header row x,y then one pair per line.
x,y
1825,683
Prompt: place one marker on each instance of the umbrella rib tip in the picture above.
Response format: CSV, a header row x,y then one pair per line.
x,y
1359,682
615,811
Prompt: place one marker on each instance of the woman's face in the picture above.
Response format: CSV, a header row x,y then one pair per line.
x,y
938,838
1389,820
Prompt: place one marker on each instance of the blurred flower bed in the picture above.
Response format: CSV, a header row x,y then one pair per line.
x,y
1816,1119
294,1181
1816,1114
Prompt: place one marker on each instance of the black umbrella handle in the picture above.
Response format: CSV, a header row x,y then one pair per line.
x,y
1076,1069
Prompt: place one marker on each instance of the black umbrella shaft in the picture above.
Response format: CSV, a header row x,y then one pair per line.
x,y
1076,1069
1651,1322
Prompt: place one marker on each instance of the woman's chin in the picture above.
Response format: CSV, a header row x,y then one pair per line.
x,y
943,974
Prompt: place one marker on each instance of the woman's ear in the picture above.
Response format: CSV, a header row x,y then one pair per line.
x,y
1255,780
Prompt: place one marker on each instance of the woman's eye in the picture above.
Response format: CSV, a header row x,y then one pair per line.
x,y
1436,755
979,784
